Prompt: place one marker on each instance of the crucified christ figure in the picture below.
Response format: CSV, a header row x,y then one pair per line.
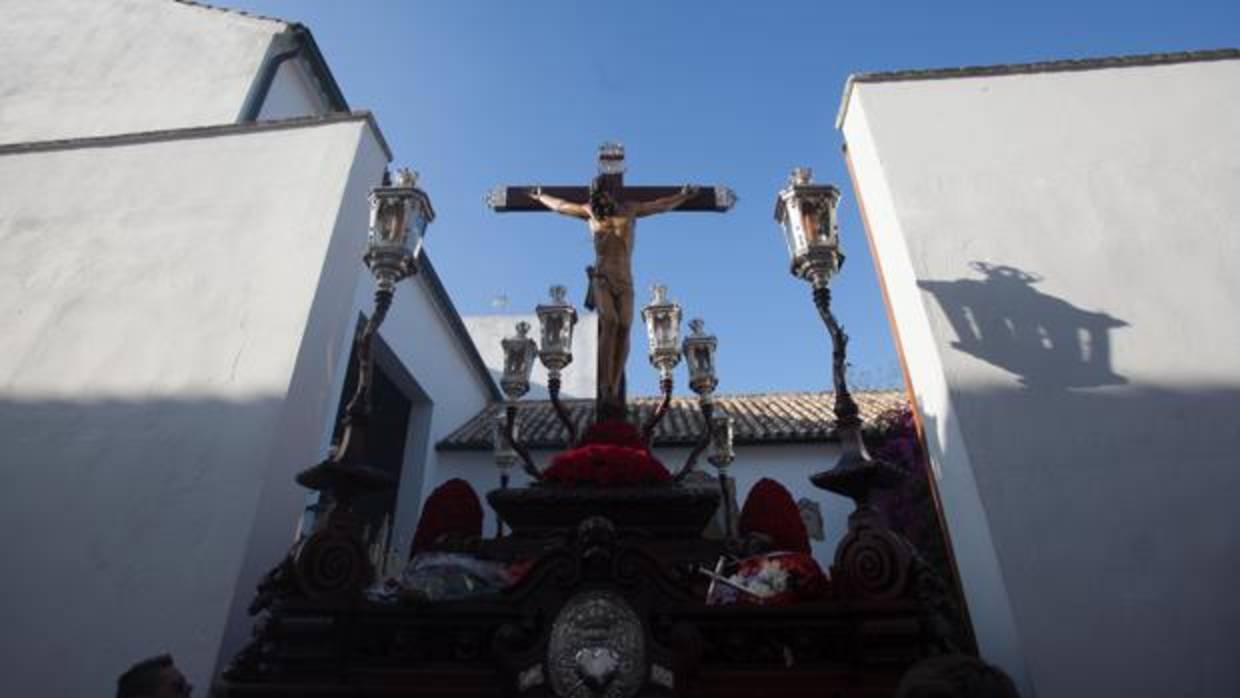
x,y
612,226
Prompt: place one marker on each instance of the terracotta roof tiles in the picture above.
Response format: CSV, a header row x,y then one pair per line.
x,y
764,418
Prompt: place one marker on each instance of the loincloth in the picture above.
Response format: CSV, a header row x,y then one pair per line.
x,y
618,290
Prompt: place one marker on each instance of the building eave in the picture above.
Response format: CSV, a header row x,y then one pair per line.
x,y
173,134
1053,66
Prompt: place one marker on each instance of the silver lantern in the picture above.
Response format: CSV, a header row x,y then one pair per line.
x,y
519,353
662,318
399,214
556,320
806,213
699,349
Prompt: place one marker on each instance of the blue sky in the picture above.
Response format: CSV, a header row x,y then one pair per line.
x,y
474,94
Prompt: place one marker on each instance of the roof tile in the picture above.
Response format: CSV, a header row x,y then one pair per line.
x,y
764,418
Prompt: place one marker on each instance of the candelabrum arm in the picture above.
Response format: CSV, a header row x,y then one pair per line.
x,y
359,404
553,389
527,463
708,410
665,387
846,412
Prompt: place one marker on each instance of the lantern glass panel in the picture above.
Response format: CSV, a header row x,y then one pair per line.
x,y
702,361
699,349
519,353
664,332
389,220
417,227
556,332
662,318
793,236
556,320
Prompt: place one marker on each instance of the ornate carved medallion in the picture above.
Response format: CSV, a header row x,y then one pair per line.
x,y
597,648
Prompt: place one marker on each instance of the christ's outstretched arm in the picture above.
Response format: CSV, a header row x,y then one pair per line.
x,y
666,203
559,205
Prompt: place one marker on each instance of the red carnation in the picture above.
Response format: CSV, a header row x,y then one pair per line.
x,y
611,453
770,510
452,509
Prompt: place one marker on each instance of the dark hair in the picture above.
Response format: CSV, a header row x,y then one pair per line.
x,y
142,679
602,204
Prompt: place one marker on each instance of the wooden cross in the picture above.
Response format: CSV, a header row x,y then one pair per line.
x,y
611,282
506,199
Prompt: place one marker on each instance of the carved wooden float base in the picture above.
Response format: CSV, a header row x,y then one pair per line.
x,y
662,511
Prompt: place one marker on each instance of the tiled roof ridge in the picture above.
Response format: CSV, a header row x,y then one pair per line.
x,y
760,418
728,396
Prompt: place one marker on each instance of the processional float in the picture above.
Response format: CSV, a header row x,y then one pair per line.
x,y
599,580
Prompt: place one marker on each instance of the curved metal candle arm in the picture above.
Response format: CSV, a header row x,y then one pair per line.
x,y
665,387
553,389
359,405
708,411
847,414
527,463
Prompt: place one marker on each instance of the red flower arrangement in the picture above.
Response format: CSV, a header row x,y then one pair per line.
x,y
611,453
452,509
770,510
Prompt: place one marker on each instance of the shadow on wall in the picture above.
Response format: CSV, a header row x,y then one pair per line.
x,y
123,523
1045,341
1112,514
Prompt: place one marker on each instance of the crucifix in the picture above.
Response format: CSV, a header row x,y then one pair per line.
x,y
610,209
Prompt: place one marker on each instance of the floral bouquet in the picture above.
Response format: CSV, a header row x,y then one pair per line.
x,y
770,579
611,453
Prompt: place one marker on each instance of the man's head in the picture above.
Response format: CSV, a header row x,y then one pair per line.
x,y
602,203
156,677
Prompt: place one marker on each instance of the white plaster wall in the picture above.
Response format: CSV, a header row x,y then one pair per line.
x,y
292,93
790,465
1081,410
150,380
74,69
579,380
303,436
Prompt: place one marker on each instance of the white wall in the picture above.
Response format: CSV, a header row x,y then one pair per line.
x,y
151,379
1080,391
74,69
579,380
292,93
